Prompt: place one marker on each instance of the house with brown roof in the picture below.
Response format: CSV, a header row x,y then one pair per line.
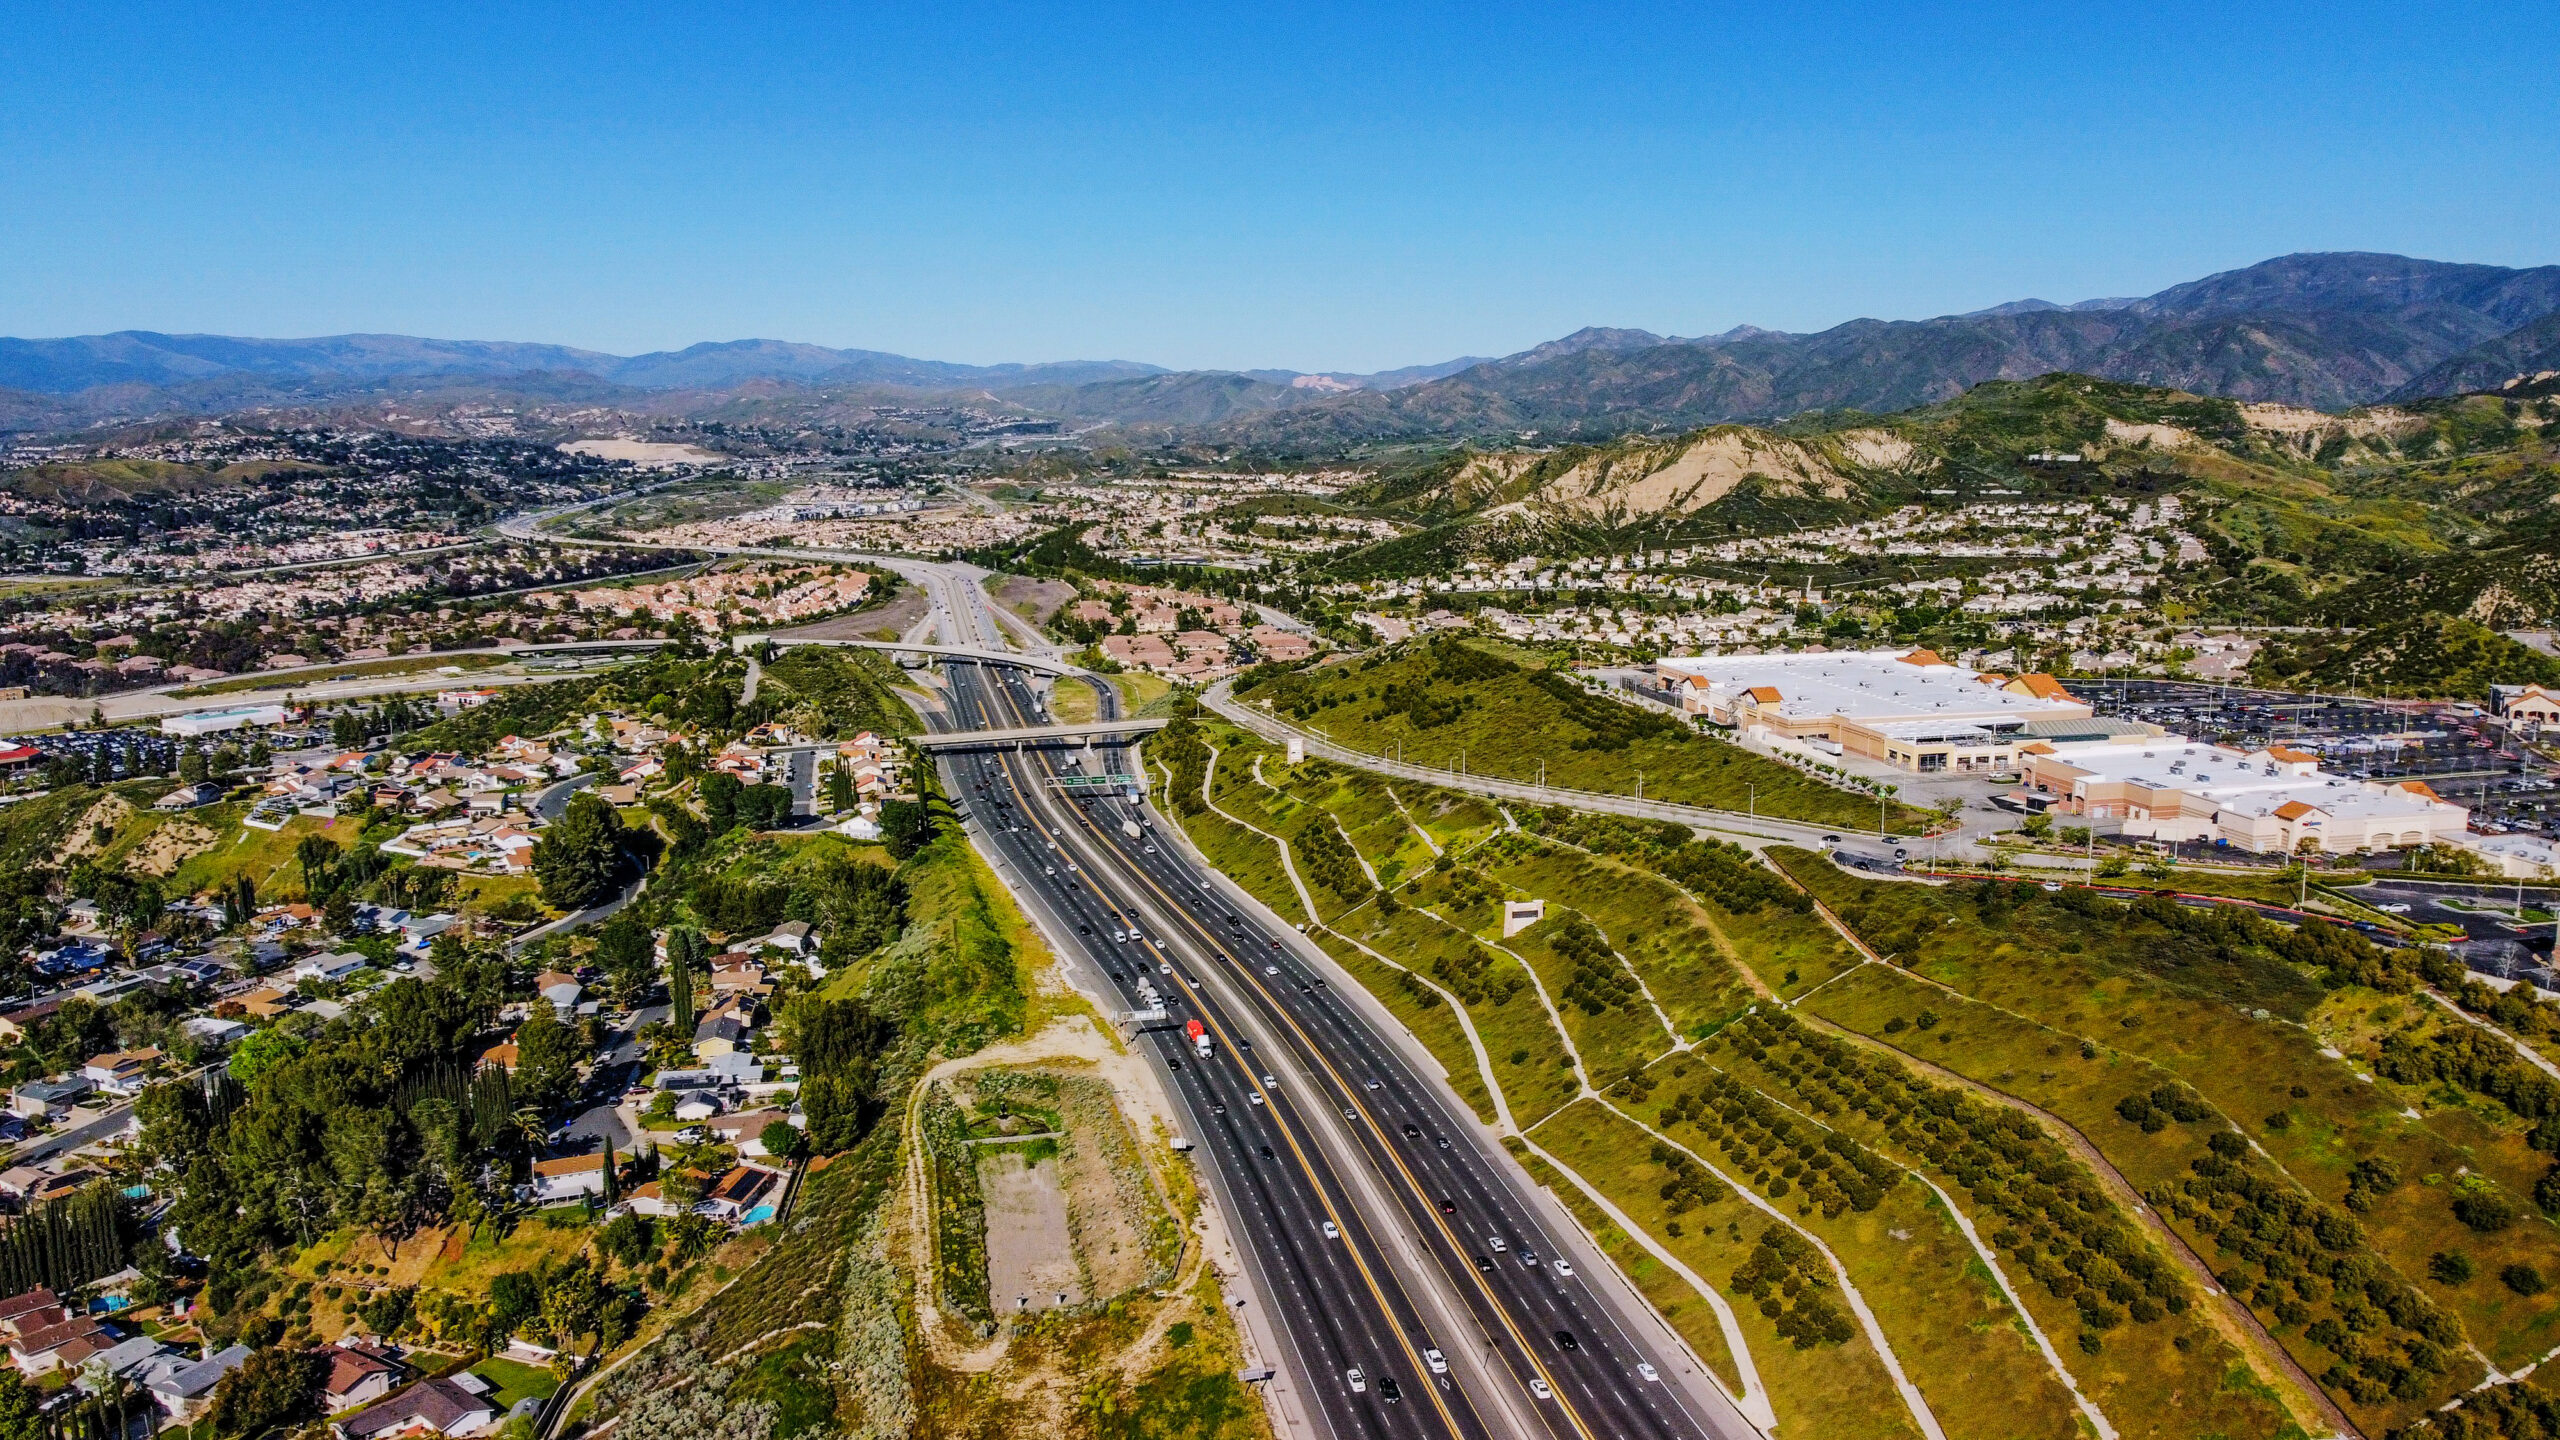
x,y
67,1342
430,1407
356,1376
121,1071
33,1310
568,1177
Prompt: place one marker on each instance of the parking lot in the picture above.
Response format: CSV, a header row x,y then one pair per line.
x,y
2460,756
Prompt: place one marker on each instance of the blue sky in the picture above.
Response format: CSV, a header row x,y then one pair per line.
x,y
1307,187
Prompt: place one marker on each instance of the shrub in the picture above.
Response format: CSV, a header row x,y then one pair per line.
x,y
2522,1279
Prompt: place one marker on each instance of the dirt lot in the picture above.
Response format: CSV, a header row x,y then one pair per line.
x,y
1033,600
880,622
1031,1258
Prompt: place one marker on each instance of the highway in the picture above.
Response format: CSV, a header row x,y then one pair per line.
x,y
1380,1230
1462,1211
1338,1304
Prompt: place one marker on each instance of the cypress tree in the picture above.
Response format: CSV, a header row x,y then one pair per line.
x,y
680,947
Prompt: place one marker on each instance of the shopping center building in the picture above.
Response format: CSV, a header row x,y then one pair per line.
x,y
1907,708
2273,801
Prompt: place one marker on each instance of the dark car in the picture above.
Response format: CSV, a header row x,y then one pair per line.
x,y
1448,1207
1484,1265
1388,1389
1565,1341
1413,1132
1266,1152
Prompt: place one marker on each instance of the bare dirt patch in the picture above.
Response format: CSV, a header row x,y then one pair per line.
x,y
99,819
880,622
1034,600
1031,1255
169,846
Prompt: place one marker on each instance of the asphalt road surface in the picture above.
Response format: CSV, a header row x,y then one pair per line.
x,y
1429,1181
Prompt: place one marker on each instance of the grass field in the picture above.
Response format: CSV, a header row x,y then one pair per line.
x,y
1451,704
514,1380
2076,1004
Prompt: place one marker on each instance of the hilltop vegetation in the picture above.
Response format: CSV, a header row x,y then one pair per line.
x,y
2426,654
2306,517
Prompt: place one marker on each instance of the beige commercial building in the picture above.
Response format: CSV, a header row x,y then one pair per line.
x,y
2273,801
1910,709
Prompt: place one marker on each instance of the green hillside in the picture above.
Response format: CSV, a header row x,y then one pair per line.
x,y
1452,703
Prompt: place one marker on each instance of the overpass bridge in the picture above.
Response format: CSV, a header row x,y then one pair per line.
x,y
744,643
1035,734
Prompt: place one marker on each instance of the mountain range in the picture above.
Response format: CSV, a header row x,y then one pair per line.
x,y
2327,331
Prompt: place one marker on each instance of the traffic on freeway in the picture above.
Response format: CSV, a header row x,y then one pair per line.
x,y
1571,1363
1359,1346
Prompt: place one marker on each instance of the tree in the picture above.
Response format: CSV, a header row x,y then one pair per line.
x,y
906,826
780,1139
627,953
20,1418
684,944
579,860
270,1388
840,789
262,1051
547,1055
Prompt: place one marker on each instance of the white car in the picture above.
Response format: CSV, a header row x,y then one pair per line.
x,y
1359,1382
1120,937
1645,1369
1255,1097
1500,1244
1539,1388
1048,869
1564,1267
1273,1081
1332,1231
2392,909
1270,969
1438,1362
1164,969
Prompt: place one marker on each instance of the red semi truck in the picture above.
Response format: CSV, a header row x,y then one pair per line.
x,y
1198,1035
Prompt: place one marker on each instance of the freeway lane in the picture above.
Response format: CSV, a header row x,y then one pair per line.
x,y
1446,1188
1341,1305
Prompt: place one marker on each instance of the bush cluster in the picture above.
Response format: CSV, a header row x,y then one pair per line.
x,y
1327,856
2046,1212
1691,1184
1782,1154
2308,1265
1473,975
1714,870
2472,1059
1598,982
2166,1103
1785,1267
